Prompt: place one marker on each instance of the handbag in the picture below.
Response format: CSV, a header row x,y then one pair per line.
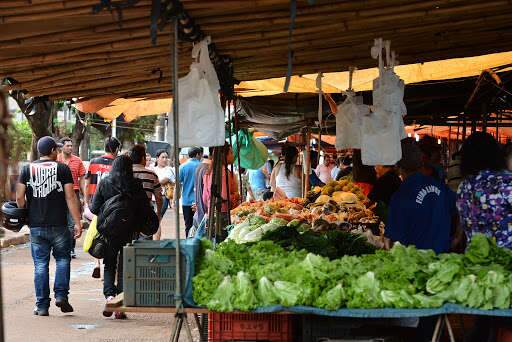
x,y
148,222
98,247
169,190
92,232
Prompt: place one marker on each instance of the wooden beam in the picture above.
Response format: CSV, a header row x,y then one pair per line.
x,y
60,78
136,10
34,72
119,83
46,7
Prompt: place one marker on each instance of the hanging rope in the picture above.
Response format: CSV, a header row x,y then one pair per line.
x,y
293,15
112,6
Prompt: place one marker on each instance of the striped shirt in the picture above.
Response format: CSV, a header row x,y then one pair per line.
x,y
77,168
99,168
149,180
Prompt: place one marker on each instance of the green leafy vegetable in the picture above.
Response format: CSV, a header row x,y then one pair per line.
x,y
331,299
245,299
222,299
245,276
288,293
266,292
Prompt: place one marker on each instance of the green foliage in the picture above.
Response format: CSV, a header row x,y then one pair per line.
x,y
20,137
136,131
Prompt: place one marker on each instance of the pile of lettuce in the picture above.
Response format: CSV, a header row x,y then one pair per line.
x,y
246,276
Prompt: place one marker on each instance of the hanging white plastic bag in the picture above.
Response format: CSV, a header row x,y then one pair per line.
x,y
201,117
383,130
349,122
380,139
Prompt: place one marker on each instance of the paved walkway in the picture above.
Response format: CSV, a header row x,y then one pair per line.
x,y
86,323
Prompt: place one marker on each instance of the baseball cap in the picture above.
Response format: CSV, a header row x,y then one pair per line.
x,y
411,155
45,145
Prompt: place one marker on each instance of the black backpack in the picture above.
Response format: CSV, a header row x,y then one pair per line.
x,y
117,216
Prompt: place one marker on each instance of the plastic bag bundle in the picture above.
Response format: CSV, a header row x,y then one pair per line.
x,y
201,117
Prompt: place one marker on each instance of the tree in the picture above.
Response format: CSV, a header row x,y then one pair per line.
x,y
20,139
39,112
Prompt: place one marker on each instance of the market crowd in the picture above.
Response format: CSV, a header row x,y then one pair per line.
x,y
421,202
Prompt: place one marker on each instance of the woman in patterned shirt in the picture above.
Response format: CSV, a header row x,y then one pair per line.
x,y
484,198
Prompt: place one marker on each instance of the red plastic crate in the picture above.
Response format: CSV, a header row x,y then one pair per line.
x,y
249,327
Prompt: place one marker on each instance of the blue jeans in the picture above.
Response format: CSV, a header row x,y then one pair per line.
x,y
71,223
165,206
71,228
43,241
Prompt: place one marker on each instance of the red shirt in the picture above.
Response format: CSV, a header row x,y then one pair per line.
x,y
77,168
98,169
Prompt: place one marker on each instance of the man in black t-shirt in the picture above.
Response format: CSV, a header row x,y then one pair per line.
x,y
45,187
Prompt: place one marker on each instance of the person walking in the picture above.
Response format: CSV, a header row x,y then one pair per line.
x,y
120,178
150,182
77,168
187,180
201,169
166,177
99,168
229,188
45,188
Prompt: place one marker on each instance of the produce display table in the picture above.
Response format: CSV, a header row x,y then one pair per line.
x,y
117,305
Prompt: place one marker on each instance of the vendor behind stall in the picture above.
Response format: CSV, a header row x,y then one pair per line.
x,y
386,185
484,198
421,211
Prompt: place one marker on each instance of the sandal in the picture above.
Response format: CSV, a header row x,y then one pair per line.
x,y
120,315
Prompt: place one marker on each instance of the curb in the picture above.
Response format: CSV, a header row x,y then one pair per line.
x,y
10,238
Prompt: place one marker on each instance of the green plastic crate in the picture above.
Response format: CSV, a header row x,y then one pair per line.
x,y
150,272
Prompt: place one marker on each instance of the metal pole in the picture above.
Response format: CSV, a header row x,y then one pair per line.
x,y
308,160
230,132
237,128
175,111
498,115
114,128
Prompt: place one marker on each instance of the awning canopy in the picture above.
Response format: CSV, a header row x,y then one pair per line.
x,y
64,50
336,82
131,108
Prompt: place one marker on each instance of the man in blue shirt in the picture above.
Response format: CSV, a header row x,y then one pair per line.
x,y
257,181
421,211
187,176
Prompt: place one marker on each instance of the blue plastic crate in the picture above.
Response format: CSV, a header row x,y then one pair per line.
x,y
150,272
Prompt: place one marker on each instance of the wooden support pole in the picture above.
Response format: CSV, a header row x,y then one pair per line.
x,y
307,161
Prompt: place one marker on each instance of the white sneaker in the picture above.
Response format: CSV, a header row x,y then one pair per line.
x,y
108,313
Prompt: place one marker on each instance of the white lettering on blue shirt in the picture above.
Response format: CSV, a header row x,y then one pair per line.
x,y
430,189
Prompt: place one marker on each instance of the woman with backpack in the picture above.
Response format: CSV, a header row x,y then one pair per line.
x,y
118,198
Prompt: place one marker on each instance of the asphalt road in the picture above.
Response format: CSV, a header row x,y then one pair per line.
x,y
87,322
